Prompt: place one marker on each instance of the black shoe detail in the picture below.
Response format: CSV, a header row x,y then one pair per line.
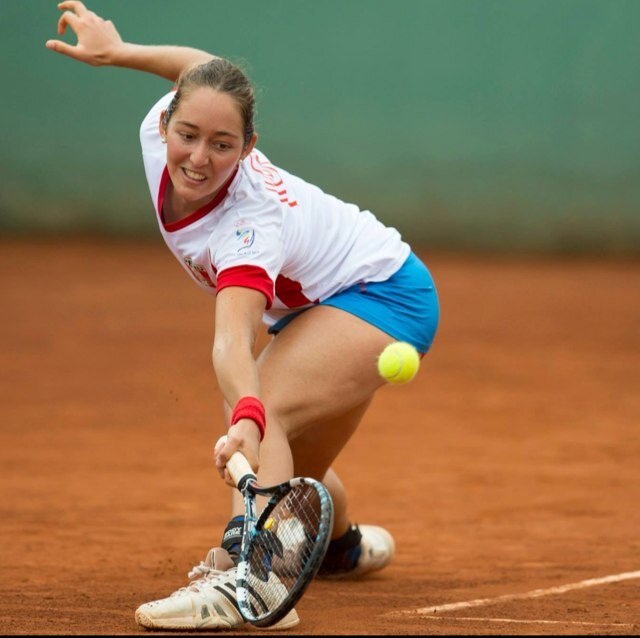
x,y
343,553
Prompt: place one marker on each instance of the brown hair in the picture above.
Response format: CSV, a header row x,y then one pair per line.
x,y
223,76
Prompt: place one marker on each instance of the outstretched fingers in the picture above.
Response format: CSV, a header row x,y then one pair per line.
x,y
73,5
98,39
73,10
68,18
62,47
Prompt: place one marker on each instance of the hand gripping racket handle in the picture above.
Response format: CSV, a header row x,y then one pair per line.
x,y
239,469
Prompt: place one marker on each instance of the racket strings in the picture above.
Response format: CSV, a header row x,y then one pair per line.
x,y
283,546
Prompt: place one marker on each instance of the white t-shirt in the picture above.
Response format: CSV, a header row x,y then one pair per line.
x,y
273,232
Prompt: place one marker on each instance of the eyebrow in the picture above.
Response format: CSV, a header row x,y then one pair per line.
x,y
218,133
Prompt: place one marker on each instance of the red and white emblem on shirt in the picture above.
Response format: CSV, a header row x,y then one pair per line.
x,y
199,272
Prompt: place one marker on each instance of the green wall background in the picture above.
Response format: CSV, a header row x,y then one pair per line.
x,y
467,124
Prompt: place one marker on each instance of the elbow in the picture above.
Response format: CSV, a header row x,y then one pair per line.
x,y
217,357
226,354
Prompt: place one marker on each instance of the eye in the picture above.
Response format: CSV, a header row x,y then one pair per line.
x,y
222,146
187,137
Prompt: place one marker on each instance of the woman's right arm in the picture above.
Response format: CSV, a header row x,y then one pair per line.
x,y
99,44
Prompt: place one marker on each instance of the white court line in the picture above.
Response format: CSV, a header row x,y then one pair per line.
x,y
536,593
530,622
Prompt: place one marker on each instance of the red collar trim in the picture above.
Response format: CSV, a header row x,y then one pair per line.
x,y
196,215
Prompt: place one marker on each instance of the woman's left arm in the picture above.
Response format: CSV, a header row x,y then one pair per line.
x,y
237,322
100,44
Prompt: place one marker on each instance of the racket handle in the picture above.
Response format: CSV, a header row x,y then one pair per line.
x,y
240,470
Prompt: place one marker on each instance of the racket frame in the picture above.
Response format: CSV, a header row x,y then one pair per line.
x,y
246,482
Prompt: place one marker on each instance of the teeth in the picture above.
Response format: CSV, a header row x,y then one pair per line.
x,y
199,176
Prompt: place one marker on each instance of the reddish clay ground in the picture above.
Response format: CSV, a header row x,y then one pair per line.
x,y
510,463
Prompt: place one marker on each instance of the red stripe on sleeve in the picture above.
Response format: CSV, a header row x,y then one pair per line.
x,y
252,277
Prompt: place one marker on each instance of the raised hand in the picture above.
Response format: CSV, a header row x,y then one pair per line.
x,y
98,39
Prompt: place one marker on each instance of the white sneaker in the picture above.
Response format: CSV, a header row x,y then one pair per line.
x,y
207,602
377,548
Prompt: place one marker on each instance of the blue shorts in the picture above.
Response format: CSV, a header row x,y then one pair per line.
x,y
405,306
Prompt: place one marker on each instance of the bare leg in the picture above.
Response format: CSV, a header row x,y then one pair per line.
x,y
316,449
318,377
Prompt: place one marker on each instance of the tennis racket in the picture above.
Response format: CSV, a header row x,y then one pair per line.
x,y
282,546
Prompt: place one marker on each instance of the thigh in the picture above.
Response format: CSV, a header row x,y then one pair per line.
x,y
315,449
321,366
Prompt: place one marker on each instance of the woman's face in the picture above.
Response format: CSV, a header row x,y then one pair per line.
x,y
205,142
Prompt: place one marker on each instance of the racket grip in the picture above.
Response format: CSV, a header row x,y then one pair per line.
x,y
240,470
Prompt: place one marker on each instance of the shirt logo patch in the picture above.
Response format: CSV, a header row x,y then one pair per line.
x,y
246,236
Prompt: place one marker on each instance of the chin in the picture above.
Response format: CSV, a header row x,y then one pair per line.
x,y
193,194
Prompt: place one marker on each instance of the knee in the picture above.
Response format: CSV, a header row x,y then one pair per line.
x,y
282,414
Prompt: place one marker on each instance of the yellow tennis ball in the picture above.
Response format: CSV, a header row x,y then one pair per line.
x,y
399,362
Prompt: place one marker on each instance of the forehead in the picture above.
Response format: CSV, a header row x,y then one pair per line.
x,y
207,108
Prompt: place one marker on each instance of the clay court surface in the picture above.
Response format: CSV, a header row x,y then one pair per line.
x,y
510,464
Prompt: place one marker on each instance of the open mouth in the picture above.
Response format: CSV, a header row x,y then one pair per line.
x,y
194,176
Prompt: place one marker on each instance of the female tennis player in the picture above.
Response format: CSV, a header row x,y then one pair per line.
x,y
333,285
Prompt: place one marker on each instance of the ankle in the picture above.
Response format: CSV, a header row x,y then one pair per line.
x,y
343,552
232,537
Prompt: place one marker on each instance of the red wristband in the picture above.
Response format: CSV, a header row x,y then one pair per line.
x,y
250,408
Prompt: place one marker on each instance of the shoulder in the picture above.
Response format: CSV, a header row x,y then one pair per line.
x,y
264,171
253,180
269,182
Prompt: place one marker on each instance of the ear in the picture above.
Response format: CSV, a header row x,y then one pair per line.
x,y
249,147
162,129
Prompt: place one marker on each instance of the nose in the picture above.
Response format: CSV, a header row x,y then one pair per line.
x,y
199,155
